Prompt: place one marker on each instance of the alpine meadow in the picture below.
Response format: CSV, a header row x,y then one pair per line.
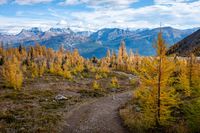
x,y
99,66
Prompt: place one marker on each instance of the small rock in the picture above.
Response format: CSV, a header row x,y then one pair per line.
x,y
130,78
113,90
60,97
22,129
137,109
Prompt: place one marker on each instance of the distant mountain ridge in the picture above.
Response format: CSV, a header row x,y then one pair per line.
x,y
140,41
96,43
190,44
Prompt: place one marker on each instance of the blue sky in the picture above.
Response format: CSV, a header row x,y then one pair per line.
x,y
95,14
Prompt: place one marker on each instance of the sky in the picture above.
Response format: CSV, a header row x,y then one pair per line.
x,y
81,15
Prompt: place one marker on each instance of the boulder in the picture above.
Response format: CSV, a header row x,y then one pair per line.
x,y
60,97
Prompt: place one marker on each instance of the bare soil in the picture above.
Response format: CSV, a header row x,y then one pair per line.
x,y
99,116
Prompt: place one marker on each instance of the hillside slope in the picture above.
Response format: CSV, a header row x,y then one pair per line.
x,y
190,44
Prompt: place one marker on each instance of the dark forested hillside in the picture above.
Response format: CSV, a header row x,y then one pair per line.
x,y
190,44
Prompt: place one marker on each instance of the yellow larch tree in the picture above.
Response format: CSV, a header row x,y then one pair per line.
x,y
11,72
122,57
194,73
77,62
156,96
181,80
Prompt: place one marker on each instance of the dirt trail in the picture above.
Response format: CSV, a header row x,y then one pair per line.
x,y
99,116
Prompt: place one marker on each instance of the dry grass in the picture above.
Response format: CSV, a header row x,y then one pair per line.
x,y
132,119
135,122
34,109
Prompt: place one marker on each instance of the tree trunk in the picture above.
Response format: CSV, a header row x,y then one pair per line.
x,y
158,95
190,70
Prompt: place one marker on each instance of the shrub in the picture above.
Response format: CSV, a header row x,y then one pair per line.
x,y
98,76
133,120
114,83
34,70
67,74
42,67
134,82
192,111
96,85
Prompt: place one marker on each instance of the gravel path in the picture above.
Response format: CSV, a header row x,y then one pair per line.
x,y
99,116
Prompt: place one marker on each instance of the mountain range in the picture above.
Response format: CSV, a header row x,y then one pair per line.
x,y
96,43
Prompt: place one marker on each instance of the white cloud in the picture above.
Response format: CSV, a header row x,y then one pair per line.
x,y
29,2
149,16
19,13
118,13
62,22
171,1
3,2
25,2
70,2
100,3
9,25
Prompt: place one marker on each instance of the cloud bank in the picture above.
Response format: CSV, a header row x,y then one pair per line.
x,y
96,14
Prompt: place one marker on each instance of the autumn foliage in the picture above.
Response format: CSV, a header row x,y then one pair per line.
x,y
167,94
167,98
11,72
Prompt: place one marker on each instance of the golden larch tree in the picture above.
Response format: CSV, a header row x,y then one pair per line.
x,y
156,95
11,73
